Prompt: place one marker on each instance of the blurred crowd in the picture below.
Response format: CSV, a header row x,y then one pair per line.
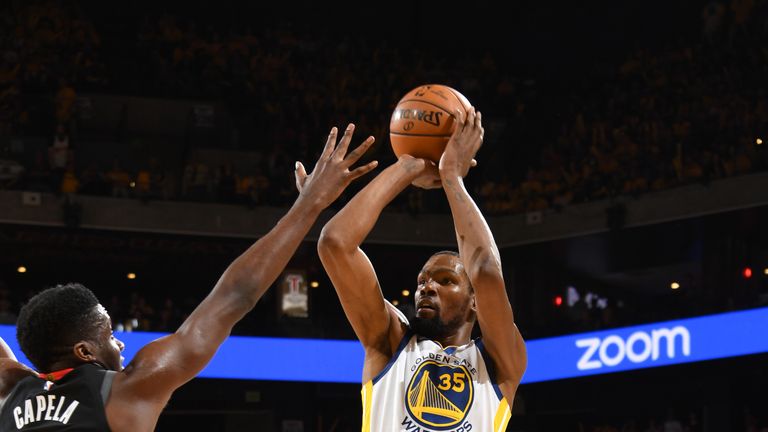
x,y
47,49
129,311
691,111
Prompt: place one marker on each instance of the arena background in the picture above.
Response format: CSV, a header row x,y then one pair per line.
x,y
624,155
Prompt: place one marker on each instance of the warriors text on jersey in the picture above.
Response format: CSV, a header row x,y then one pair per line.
x,y
427,388
73,403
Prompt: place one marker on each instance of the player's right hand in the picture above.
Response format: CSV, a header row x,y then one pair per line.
x,y
427,176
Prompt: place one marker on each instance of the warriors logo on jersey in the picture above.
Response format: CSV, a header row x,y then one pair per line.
x,y
439,396
426,387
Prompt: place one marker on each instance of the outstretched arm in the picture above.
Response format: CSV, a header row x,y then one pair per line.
x,y
165,364
5,351
481,257
373,319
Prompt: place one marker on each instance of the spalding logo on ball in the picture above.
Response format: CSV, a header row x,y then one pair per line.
x,y
424,119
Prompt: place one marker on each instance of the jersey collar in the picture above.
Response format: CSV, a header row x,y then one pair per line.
x,y
55,375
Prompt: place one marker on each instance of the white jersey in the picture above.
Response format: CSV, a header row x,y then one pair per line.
x,y
427,388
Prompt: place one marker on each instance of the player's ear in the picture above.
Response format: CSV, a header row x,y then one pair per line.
x,y
85,351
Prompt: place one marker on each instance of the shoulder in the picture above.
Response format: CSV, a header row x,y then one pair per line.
x,y
402,320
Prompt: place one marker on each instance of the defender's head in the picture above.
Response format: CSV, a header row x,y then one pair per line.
x,y
445,300
65,326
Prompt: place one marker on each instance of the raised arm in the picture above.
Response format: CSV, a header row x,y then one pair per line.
x,y
481,257
165,364
373,319
5,351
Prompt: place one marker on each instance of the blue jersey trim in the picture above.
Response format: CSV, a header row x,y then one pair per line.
x,y
489,366
403,342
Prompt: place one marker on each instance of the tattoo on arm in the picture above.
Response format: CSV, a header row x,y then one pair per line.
x,y
456,191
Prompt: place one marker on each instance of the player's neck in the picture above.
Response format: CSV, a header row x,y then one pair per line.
x,y
460,337
62,365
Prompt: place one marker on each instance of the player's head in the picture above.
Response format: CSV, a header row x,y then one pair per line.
x,y
65,326
445,300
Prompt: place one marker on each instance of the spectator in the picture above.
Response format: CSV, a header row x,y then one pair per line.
x,y
143,185
119,180
65,102
60,156
70,184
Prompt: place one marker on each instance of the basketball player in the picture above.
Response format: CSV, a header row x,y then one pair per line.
x,y
428,375
80,383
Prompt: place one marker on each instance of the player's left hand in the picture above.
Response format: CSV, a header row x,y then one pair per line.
x,y
466,140
332,173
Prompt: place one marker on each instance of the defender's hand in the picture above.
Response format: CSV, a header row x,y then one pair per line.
x,y
331,174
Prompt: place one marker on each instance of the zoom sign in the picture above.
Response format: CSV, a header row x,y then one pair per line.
x,y
676,342
639,347
646,346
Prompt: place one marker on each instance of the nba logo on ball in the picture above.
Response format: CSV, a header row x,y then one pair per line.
x,y
424,119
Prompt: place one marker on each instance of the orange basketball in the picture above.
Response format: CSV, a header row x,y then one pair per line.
x,y
423,121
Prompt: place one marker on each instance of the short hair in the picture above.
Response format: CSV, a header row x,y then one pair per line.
x,y
447,252
54,320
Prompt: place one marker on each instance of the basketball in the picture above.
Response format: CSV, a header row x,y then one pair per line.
x,y
423,121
